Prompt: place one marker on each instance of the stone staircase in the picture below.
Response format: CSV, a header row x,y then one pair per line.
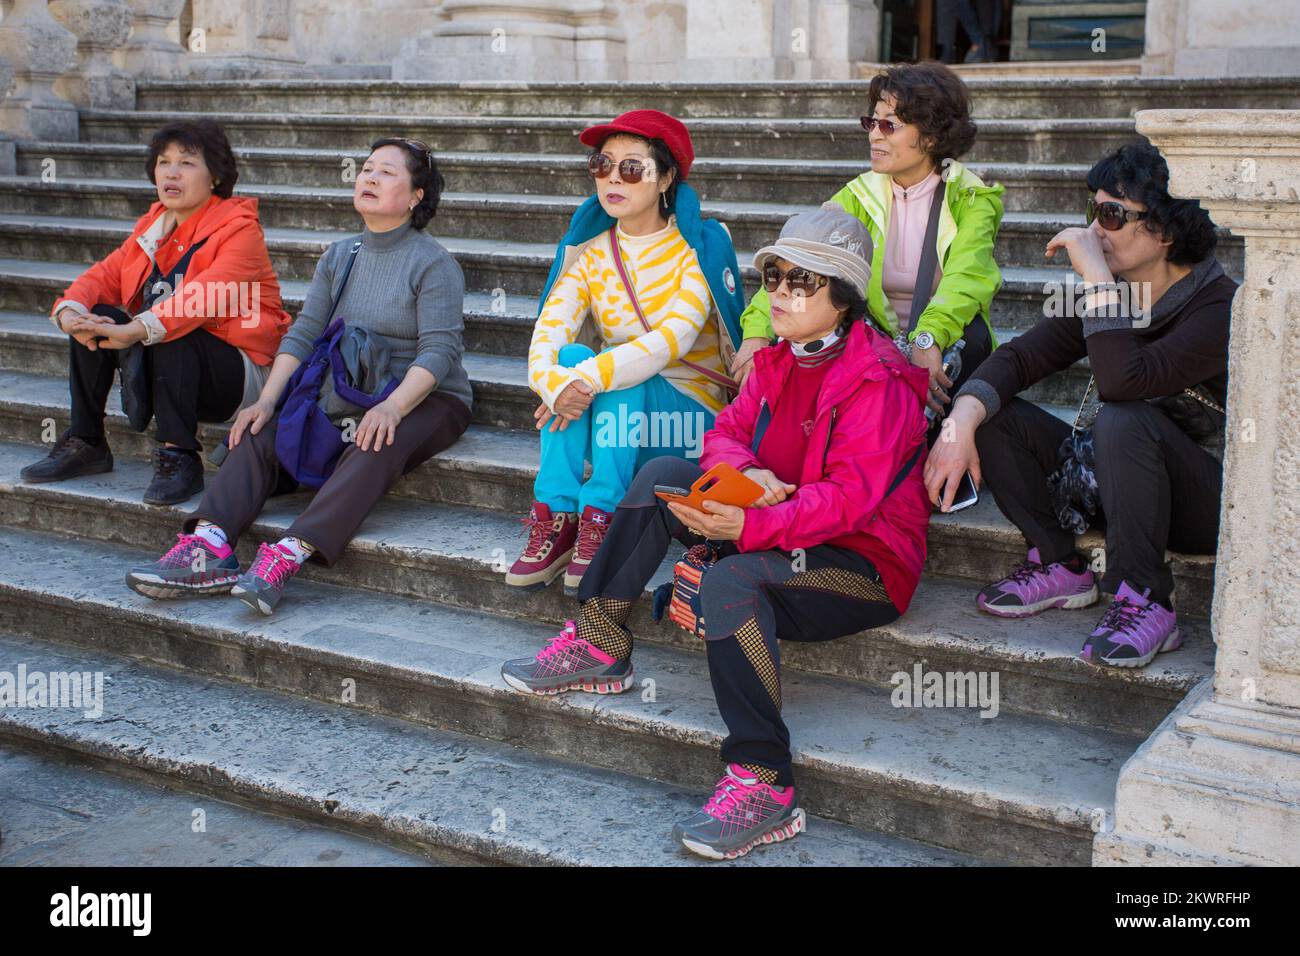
x,y
430,751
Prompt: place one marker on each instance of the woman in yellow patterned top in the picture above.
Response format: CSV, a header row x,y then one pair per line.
x,y
659,370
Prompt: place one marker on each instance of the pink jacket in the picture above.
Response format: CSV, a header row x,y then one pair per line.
x,y
870,418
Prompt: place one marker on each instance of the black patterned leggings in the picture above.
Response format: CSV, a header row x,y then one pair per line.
x,y
751,601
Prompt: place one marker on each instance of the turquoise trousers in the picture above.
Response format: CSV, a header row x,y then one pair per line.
x,y
618,433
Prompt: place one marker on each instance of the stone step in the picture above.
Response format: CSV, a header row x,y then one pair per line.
x,y
1030,186
502,397
991,98
514,273
456,556
495,468
57,813
1012,787
839,138
418,787
82,220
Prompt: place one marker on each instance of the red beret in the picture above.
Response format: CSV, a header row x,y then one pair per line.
x,y
648,124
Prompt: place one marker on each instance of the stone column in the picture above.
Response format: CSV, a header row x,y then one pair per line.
x,y
538,41
1207,38
39,51
150,53
1219,780
100,26
243,39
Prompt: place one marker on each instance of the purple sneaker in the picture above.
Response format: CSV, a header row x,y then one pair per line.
x,y
1132,632
1034,587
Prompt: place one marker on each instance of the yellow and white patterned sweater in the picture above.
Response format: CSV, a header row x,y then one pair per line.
x,y
674,296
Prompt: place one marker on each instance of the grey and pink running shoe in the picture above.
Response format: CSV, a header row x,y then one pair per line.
x,y
568,663
191,566
1132,632
262,586
1034,587
742,813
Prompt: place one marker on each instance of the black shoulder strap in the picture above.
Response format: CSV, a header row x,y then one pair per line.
x,y
760,426
929,260
347,271
904,471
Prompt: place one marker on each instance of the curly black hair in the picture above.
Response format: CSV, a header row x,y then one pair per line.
x,y
664,162
424,175
198,136
932,98
1138,172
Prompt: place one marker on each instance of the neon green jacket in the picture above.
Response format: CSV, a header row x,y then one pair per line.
x,y
968,227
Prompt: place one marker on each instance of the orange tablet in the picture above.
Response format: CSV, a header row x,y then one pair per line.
x,y
722,483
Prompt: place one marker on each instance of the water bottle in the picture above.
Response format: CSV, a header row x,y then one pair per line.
x,y
951,366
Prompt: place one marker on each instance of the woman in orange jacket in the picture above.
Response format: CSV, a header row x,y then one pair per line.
x,y
187,308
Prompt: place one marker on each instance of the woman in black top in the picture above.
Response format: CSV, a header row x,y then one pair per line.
x,y
1152,318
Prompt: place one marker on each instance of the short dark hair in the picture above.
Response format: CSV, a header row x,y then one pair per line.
x,y
846,298
1138,172
932,98
198,136
424,175
664,162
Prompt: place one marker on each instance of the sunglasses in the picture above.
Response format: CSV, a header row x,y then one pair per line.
x,y
888,127
1111,215
629,170
423,148
802,281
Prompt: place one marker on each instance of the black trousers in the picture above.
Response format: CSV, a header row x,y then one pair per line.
x,y
196,378
251,473
751,601
1159,489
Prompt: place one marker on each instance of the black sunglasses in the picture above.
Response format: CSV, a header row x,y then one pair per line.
x,y
1111,215
630,171
802,281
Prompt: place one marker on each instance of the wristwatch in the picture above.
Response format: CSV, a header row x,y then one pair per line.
x,y
923,340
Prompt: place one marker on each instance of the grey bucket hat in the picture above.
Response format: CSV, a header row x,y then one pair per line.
x,y
829,242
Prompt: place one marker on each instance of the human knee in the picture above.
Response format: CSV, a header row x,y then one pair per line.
x,y
573,354
664,470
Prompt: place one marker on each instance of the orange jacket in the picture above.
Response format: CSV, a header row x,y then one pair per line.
x,y
230,289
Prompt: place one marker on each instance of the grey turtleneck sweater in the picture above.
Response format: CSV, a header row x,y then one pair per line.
x,y
405,286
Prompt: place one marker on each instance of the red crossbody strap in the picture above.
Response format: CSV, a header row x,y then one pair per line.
x,y
723,380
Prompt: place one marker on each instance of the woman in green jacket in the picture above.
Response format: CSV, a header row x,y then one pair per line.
x,y
918,125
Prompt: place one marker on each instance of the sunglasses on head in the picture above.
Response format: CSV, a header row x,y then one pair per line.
x,y
1111,215
629,170
802,281
888,127
424,149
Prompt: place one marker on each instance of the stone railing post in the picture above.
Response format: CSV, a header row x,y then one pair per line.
x,y
538,41
100,26
39,51
150,53
1219,781
7,156
243,39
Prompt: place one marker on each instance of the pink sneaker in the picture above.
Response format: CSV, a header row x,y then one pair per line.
x,y
1132,632
1034,587
742,813
592,528
568,663
262,585
548,549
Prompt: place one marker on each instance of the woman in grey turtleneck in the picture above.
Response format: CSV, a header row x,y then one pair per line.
x,y
407,289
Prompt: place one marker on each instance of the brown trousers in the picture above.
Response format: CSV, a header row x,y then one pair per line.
x,y
250,473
